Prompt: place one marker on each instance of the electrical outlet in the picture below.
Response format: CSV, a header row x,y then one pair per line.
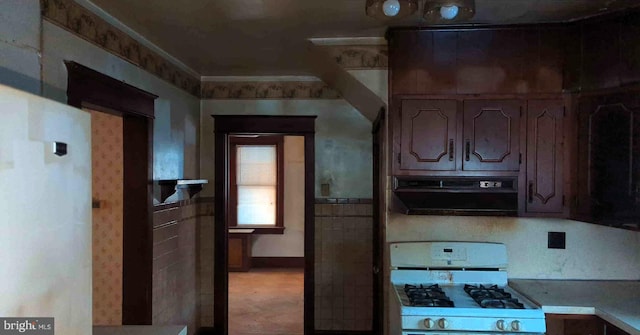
x,y
557,240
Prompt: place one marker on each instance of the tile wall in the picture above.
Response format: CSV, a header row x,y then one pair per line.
x,y
343,276
205,260
175,265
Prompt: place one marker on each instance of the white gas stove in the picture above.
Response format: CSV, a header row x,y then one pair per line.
x,y
456,288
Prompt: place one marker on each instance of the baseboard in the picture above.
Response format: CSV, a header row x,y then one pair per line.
x,y
206,331
277,262
343,332
211,331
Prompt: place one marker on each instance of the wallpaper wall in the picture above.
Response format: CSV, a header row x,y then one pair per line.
x,y
107,183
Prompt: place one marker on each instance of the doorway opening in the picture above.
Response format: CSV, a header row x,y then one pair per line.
x,y
231,227
89,89
107,216
266,235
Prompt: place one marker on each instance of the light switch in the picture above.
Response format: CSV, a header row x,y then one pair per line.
x,y
325,190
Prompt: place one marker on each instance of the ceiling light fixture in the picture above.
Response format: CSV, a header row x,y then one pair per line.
x,y
448,11
391,9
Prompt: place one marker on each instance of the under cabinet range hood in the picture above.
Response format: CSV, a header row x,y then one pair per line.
x,y
457,195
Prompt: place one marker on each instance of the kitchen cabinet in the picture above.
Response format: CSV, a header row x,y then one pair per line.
x,y
492,135
567,324
433,136
428,135
608,166
239,256
545,144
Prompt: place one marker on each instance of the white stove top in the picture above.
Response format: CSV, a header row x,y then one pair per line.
x,y
451,265
465,305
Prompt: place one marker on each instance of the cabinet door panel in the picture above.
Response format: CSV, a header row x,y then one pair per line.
x,y
607,170
492,135
611,157
428,135
545,139
610,329
582,203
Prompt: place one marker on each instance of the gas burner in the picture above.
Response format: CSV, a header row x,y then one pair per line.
x,y
492,297
427,296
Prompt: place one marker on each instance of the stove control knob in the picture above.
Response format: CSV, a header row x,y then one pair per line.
x,y
428,323
500,324
443,323
515,325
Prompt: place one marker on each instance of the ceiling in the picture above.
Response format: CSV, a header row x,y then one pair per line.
x,y
269,37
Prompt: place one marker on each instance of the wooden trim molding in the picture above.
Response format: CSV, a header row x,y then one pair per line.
x,y
343,332
85,24
277,262
90,88
268,90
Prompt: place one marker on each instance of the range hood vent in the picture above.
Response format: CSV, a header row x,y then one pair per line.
x,y
458,195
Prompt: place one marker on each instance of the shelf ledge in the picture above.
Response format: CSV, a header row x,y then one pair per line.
x,y
169,186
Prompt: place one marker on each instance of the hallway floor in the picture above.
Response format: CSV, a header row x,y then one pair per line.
x,y
266,301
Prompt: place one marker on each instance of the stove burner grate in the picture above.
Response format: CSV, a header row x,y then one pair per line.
x,y
492,297
427,296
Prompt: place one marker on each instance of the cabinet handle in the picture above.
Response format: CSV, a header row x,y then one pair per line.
x,y
451,149
467,149
530,191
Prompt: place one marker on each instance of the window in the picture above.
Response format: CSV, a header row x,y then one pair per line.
x,y
256,183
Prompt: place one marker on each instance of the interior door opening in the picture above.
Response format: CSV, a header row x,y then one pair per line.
x,y
107,216
227,126
266,234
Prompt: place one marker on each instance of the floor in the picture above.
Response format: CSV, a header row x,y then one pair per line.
x,y
266,301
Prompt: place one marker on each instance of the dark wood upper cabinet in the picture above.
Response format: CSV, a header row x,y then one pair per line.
x,y
545,152
436,136
491,135
428,135
601,68
630,49
608,167
490,101
518,60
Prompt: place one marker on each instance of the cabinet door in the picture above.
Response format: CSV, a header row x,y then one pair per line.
x,y
545,138
428,135
610,329
611,136
582,205
492,135
607,150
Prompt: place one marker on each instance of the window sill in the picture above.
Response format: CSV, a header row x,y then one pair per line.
x,y
261,229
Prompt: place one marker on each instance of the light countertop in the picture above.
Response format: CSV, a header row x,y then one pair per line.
x,y
139,330
617,302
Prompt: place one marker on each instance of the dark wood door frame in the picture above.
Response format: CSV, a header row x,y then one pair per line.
x,y
87,88
378,237
224,126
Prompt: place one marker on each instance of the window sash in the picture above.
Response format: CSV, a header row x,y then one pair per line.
x,y
256,178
